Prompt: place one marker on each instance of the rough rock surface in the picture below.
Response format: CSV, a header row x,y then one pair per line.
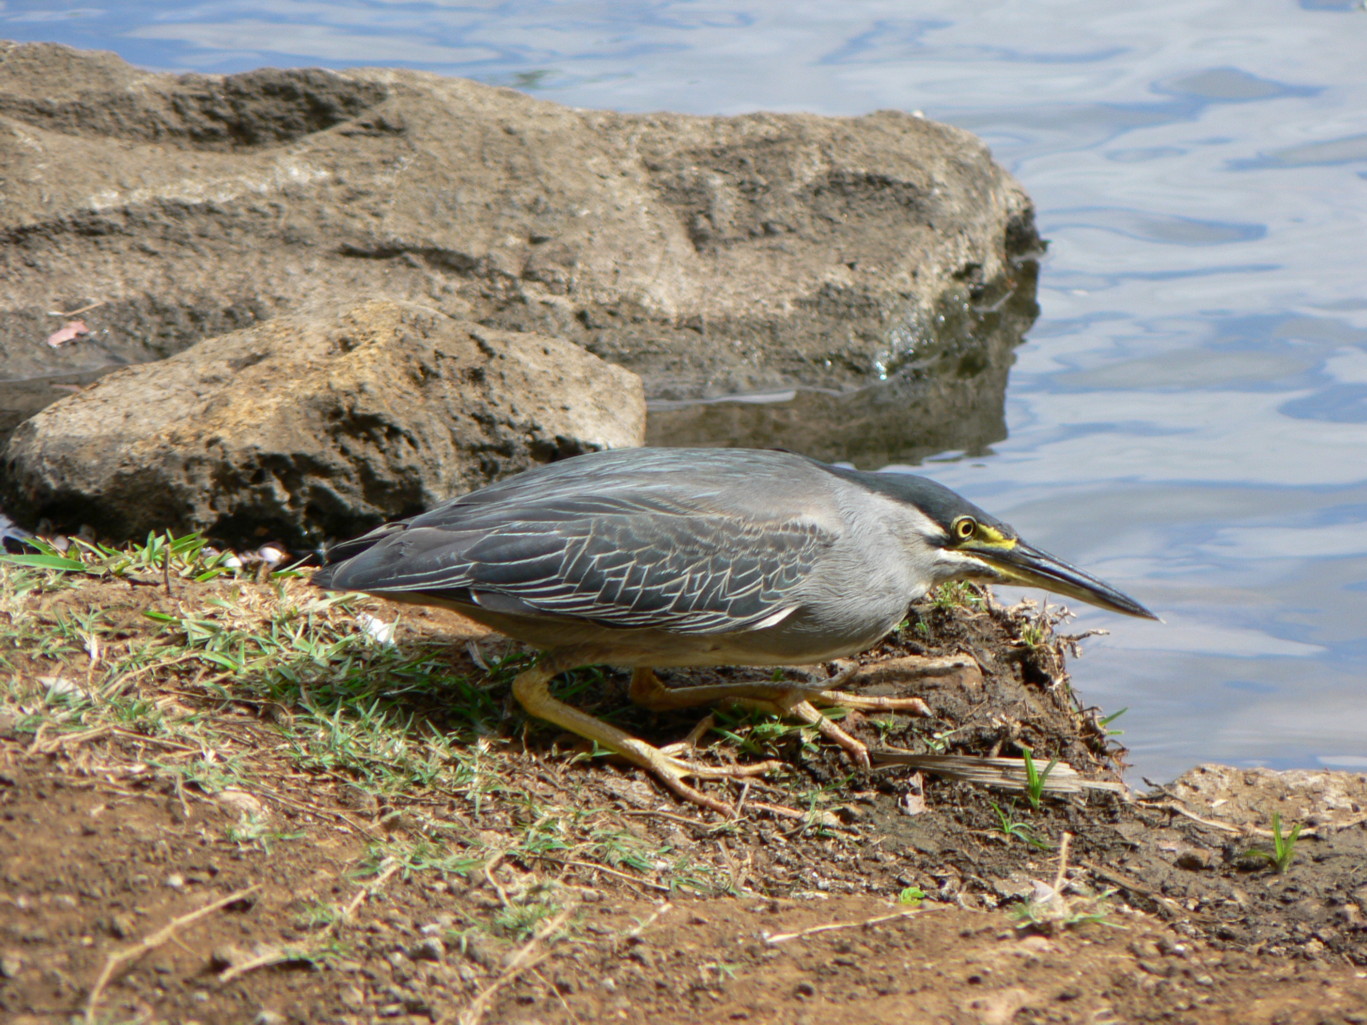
x,y
1247,797
318,423
712,255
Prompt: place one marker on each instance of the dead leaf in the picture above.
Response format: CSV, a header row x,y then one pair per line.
x,y
68,332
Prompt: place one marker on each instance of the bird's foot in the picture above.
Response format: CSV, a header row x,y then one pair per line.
x,y
784,699
532,690
674,772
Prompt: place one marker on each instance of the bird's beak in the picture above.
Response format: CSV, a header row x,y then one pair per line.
x,y
1021,563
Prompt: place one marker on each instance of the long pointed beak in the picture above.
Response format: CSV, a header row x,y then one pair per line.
x,y
1025,564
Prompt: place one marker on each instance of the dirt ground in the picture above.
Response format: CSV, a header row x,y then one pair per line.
x,y
228,801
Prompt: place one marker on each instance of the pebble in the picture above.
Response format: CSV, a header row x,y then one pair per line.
x,y
430,949
1194,859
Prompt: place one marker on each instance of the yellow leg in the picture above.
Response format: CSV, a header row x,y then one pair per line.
x,y
532,690
648,692
787,700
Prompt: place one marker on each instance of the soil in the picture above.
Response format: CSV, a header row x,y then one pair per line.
x,y
216,862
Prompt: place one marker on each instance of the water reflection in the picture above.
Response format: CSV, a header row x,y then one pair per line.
x,y
947,393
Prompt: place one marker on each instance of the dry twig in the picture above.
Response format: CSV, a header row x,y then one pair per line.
x,y
775,939
1008,773
276,955
527,958
118,962
634,880
664,908
363,893
76,313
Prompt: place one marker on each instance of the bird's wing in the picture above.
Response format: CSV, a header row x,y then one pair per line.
x,y
622,561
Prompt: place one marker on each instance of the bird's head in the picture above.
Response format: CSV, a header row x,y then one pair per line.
x,y
959,541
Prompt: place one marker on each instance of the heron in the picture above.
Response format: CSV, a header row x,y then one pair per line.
x,y
674,557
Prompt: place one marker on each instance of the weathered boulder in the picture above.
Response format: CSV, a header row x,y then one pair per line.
x,y
316,424
713,255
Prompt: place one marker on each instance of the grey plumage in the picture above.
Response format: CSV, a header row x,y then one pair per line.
x,y
661,552
690,557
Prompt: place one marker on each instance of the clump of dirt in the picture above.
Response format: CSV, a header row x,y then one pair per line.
x,y
233,800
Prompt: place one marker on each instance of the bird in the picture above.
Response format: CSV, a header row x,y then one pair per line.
x,y
689,557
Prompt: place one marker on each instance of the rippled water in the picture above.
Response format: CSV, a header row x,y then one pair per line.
x,y
1188,417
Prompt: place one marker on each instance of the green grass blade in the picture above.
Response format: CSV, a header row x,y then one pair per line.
x,y
57,562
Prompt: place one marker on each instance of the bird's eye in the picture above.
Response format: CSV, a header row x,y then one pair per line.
x,y
964,528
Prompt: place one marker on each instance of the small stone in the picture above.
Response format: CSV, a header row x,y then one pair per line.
x,y
430,949
228,956
120,925
483,951
1194,859
10,966
176,881
267,1017
1348,914
246,805
352,997
641,956
1172,949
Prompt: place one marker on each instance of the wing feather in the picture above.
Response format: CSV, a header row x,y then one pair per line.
x,y
626,560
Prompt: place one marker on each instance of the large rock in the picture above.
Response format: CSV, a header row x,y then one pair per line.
x,y
316,424
712,255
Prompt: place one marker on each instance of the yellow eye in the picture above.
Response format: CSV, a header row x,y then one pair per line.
x,y
964,528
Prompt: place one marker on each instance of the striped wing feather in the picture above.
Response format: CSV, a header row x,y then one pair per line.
x,y
618,561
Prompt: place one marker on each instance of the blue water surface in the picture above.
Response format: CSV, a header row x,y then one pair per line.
x,y
1189,416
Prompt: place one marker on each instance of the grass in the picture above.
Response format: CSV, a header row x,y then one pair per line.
x,y
1037,631
1049,911
239,678
1106,722
1283,846
1011,829
956,594
186,555
911,896
763,735
254,832
1034,778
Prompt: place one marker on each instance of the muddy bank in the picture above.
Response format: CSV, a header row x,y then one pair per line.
x,y
412,848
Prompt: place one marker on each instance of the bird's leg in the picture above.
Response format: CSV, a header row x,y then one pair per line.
x,y
830,729
786,699
963,668
690,741
782,699
647,691
531,687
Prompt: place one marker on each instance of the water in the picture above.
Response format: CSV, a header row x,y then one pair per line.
x,y
1188,418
